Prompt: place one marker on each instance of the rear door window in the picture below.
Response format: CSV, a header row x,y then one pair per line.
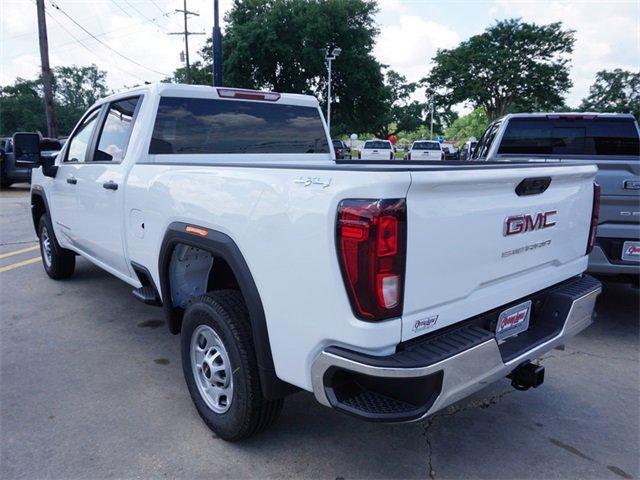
x,y
210,126
484,145
571,136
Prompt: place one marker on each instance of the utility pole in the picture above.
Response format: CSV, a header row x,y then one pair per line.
x,y
217,47
52,128
186,34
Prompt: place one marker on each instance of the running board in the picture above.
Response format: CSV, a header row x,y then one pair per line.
x,y
147,295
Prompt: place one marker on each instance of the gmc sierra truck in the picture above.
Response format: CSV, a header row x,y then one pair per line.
x,y
611,141
390,290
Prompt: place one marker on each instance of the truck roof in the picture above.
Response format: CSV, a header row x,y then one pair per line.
x,y
205,91
566,114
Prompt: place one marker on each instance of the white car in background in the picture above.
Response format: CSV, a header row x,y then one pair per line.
x,y
425,150
377,150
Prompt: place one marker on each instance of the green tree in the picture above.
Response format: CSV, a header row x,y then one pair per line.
x,y
401,113
75,90
22,107
512,66
614,91
471,125
280,45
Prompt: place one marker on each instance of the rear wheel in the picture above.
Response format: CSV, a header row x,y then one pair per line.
x,y
220,367
58,262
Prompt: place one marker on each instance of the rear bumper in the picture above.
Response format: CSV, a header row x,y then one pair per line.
x,y
431,374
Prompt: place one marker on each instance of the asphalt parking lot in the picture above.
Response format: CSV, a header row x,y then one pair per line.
x,y
91,387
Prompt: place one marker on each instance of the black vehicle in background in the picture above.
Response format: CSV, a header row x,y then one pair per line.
x,y
343,152
15,166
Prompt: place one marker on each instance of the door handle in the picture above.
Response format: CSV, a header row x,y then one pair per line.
x,y
72,180
110,185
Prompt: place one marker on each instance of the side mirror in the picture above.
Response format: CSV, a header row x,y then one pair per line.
x,y
49,167
26,149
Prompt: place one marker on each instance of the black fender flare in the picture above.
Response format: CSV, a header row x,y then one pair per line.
x,y
221,245
38,191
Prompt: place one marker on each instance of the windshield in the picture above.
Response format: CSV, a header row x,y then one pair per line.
x,y
426,146
377,144
578,135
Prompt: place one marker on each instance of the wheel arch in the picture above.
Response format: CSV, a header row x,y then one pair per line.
x,y
39,205
222,246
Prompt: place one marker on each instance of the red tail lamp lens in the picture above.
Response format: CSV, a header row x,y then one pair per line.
x,y
371,237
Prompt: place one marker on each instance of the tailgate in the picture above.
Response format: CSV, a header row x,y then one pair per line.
x,y
376,154
460,262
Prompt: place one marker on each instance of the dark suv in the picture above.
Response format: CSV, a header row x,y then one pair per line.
x,y
343,152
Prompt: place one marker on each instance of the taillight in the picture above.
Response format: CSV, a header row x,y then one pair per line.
x,y
371,241
595,217
391,155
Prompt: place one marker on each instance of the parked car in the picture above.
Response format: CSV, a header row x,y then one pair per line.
x,y
387,289
377,150
467,150
425,150
343,152
609,140
450,151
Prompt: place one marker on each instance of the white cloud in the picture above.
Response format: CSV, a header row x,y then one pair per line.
x,y
408,44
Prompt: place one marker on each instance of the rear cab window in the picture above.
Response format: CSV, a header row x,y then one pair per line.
x,y
426,146
377,145
214,126
556,135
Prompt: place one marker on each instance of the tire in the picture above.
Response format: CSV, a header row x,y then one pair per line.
x,y
58,262
216,337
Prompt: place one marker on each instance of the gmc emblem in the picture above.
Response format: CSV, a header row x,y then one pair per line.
x,y
528,223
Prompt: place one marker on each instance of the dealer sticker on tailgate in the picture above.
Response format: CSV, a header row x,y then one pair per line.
x,y
513,321
631,251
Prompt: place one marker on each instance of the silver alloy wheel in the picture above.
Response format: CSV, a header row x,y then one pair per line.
x,y
45,242
211,369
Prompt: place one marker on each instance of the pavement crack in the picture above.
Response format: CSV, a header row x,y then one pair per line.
x,y
589,354
451,411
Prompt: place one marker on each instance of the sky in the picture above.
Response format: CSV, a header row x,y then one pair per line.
x,y
137,45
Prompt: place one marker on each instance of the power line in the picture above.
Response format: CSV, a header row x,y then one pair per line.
x,y
152,1
104,44
122,9
80,42
140,13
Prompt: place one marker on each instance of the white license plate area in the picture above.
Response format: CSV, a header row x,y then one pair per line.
x,y
631,251
513,321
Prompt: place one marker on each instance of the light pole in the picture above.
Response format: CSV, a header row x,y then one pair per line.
x,y
329,57
431,134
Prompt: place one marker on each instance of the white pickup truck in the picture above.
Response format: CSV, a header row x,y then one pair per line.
x,y
390,290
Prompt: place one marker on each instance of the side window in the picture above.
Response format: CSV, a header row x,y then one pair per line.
x,y
485,142
79,143
116,131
